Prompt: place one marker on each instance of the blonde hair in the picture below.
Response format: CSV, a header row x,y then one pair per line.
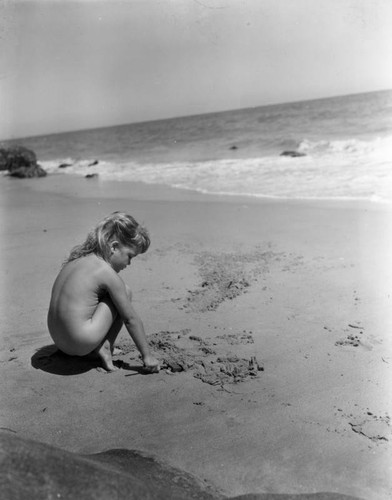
x,y
116,226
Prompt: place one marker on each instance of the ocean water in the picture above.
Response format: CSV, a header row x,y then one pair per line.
x,y
346,142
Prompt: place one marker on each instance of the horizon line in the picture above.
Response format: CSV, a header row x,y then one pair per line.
x,y
73,131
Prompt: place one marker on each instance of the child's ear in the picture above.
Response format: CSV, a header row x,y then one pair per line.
x,y
114,245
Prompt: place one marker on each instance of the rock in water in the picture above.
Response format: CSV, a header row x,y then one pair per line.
x,y
293,154
15,157
20,162
28,172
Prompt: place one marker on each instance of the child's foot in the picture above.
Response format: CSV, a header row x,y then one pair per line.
x,y
105,356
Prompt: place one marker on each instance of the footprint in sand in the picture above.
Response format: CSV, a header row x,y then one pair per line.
x,y
358,339
375,428
350,340
355,341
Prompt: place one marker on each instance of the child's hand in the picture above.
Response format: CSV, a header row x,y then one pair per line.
x,y
151,364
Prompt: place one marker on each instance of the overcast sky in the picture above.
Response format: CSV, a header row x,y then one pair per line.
x,y
69,65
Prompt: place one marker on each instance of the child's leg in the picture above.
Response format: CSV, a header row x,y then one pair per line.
x,y
105,350
106,312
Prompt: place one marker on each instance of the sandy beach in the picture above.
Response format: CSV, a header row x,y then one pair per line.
x,y
273,321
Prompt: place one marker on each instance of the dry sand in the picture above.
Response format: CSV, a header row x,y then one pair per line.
x,y
273,321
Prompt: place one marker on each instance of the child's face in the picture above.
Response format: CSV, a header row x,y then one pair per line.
x,y
121,256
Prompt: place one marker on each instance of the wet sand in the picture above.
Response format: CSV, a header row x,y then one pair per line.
x,y
272,320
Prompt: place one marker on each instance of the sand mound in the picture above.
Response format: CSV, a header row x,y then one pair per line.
x,y
212,364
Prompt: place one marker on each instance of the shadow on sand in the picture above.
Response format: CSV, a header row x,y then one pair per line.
x,y
50,359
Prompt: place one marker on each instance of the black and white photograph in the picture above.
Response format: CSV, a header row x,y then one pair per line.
x,y
196,249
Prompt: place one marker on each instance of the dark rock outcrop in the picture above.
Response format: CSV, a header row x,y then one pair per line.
x,y
28,172
20,162
36,471
14,157
293,154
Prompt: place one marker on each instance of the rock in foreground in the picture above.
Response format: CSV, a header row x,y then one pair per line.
x,y
36,471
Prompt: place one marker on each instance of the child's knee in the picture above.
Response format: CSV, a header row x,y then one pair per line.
x,y
129,292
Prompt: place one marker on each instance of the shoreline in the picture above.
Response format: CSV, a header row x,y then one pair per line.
x,y
68,185
316,419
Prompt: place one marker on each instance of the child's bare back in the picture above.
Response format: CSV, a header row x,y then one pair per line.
x,y
90,302
79,288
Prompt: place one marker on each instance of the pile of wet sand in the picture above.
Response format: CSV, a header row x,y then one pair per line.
x,y
211,362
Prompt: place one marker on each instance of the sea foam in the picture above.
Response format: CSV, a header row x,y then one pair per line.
x,y
350,169
343,149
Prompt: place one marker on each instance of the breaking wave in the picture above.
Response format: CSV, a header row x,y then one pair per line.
x,y
341,169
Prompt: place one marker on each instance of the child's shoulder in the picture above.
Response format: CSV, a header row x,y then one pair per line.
x,y
102,270
91,265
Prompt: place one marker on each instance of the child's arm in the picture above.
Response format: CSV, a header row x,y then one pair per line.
x,y
135,327
116,288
